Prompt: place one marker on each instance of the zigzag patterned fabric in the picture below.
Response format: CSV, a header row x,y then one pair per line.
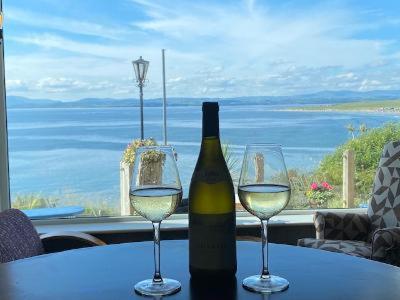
x,y
354,248
375,235
384,207
341,226
386,245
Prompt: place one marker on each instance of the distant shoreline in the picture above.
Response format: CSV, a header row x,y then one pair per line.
x,y
383,111
322,99
297,109
383,106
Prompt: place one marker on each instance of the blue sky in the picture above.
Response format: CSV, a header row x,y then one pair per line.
x,y
73,49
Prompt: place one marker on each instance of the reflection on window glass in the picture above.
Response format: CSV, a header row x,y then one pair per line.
x,y
310,75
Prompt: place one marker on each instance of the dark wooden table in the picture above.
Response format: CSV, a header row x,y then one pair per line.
x,y
110,272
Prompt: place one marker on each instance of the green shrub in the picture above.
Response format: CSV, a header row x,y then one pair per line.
x,y
368,149
32,201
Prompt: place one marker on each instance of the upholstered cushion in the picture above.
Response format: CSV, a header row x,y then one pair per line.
x,y
354,248
341,226
386,245
384,208
18,237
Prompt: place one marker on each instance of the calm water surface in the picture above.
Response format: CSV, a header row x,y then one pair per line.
x,y
75,152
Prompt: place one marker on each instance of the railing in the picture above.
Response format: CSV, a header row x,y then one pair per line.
x,y
348,178
348,184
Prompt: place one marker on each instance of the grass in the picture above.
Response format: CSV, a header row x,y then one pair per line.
x,y
232,162
383,105
367,147
300,183
93,208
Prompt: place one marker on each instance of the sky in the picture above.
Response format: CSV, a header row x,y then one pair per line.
x,y
73,49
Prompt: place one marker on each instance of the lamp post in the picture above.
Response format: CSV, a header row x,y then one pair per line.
x,y
164,98
140,66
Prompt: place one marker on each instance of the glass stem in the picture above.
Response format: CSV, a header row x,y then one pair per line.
x,y
264,237
157,274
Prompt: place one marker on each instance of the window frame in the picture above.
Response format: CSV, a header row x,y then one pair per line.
x,y
121,219
5,202
4,171
5,199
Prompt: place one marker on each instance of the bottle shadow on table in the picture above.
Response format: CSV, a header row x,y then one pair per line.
x,y
213,289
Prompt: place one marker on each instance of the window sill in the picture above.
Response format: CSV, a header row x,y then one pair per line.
x,y
179,222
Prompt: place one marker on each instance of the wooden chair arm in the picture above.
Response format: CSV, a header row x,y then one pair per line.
x,y
61,241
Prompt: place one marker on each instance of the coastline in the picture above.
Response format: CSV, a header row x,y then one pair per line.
x,y
365,110
391,107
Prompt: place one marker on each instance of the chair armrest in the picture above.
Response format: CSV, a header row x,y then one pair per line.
x,y
341,226
386,245
61,241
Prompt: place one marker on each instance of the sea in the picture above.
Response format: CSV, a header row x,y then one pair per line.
x,y
75,153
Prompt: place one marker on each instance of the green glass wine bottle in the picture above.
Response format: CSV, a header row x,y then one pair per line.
x,y
212,219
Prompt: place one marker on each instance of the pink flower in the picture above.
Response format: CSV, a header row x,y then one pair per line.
x,y
314,186
326,185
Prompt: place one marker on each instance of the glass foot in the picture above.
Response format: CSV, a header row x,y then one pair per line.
x,y
165,287
269,284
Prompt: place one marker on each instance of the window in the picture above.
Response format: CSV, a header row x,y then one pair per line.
x,y
310,75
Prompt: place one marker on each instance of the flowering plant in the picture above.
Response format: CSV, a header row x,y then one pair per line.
x,y
319,194
130,151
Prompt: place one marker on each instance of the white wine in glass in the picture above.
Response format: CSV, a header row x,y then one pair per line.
x,y
155,203
264,200
264,191
155,193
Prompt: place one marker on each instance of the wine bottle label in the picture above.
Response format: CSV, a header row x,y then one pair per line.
x,y
212,241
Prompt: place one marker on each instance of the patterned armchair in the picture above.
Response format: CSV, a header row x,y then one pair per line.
x,y
19,238
375,235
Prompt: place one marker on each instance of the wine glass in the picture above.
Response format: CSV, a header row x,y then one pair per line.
x,y
155,193
264,191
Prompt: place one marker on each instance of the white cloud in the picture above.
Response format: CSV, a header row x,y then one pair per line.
x,y
232,34
65,24
369,84
347,76
62,88
52,41
15,84
176,79
212,50
56,85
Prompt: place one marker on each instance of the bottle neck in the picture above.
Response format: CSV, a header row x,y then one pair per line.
x,y
210,124
210,146
211,155
210,143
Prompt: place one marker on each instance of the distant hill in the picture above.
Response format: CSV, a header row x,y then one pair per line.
x,y
15,101
324,97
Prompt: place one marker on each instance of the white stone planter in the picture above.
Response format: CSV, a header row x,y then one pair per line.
x,y
125,171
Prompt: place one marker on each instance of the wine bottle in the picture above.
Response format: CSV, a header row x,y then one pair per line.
x,y
212,219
